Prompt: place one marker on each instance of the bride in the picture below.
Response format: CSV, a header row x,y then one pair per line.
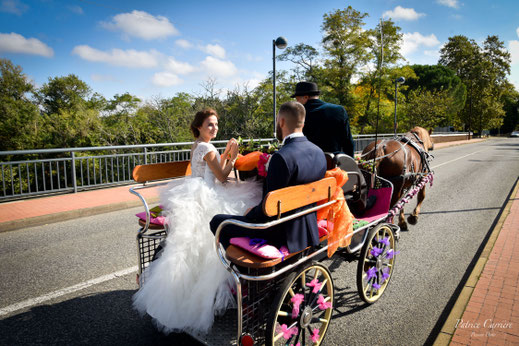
x,y
187,285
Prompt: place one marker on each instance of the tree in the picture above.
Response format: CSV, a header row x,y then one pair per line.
x,y
306,60
427,108
483,71
346,46
70,113
437,78
19,118
388,36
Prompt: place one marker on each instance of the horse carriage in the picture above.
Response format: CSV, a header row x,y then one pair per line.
x,y
289,299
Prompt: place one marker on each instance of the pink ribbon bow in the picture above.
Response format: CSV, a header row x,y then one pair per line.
x,y
315,284
323,305
296,300
288,332
315,335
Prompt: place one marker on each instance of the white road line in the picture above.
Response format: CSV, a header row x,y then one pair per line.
x,y
459,158
38,300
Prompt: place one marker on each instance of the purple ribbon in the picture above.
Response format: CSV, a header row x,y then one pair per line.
x,y
257,241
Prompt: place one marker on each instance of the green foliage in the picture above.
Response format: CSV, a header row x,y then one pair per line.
x,y
483,70
20,122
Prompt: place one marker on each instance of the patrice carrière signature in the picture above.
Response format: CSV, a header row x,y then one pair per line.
x,y
489,324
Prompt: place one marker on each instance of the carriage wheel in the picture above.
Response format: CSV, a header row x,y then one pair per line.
x,y
376,263
302,309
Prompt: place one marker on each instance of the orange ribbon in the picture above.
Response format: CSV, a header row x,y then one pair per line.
x,y
338,213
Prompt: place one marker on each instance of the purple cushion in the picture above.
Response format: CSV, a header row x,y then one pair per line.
x,y
259,247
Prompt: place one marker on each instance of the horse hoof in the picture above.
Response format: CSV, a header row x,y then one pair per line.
x,y
412,219
403,227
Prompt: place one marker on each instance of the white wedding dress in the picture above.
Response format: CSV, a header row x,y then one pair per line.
x,y
188,285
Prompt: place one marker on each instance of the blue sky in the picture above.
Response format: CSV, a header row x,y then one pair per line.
x,y
160,48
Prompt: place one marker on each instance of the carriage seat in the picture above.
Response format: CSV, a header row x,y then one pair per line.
x,y
154,173
277,203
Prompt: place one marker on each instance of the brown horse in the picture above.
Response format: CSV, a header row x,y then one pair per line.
x,y
399,160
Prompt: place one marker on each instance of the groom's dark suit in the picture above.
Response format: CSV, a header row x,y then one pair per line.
x,y
297,162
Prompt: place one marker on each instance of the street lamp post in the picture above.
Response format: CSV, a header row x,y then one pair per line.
x,y
399,80
281,43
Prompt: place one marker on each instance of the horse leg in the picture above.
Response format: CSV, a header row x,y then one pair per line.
x,y
413,218
401,220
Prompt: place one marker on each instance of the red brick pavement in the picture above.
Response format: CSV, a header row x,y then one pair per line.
x,y
491,316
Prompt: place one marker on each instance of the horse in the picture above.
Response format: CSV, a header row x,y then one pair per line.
x,y
401,161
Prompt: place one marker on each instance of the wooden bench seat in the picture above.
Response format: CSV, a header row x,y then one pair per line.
x,y
159,171
279,202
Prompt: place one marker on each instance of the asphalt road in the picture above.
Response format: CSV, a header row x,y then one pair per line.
x,y
71,282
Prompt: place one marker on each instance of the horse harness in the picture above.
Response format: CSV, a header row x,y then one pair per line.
x,y
425,157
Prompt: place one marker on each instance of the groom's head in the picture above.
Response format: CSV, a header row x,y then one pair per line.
x,y
290,119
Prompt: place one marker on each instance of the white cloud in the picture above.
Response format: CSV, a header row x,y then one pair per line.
x,y
449,3
517,30
118,57
76,9
214,50
218,68
179,67
184,44
403,13
13,6
15,43
412,41
142,24
166,79
513,47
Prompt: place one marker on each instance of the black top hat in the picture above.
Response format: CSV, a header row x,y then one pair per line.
x,y
306,88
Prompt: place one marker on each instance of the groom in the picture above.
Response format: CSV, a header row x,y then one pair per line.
x,y
297,162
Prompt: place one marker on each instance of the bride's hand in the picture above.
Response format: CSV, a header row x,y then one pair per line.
x,y
234,151
230,143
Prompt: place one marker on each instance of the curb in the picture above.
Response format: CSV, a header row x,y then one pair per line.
x,y
447,331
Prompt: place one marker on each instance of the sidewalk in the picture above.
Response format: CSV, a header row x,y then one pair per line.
x,y
44,210
487,309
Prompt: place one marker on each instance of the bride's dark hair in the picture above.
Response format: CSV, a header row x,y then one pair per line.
x,y
200,118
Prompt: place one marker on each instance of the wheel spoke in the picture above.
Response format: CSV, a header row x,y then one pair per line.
x,y
303,279
282,313
276,338
291,292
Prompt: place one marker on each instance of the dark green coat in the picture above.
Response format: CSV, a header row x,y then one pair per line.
x,y
328,126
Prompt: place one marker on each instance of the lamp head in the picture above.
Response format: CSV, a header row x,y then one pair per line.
x,y
400,80
281,42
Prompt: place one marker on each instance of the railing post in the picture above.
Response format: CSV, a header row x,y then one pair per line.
x,y
74,182
145,156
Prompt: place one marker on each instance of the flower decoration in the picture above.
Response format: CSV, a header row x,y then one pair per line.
x,y
315,284
391,253
385,274
371,273
376,286
296,300
323,304
384,241
315,335
376,251
288,332
263,164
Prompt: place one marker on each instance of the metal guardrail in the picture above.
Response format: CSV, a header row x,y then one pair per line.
x,y
27,173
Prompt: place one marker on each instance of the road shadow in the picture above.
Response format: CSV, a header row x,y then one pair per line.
x,y
100,319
